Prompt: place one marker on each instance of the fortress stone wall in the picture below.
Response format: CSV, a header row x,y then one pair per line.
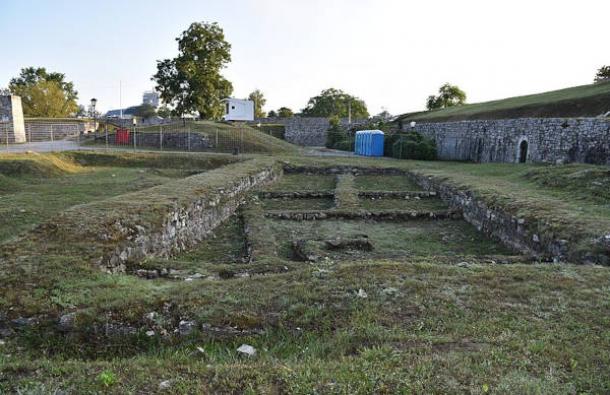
x,y
585,140
308,131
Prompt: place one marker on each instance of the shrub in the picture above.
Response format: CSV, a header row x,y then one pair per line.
x,y
413,145
339,138
345,145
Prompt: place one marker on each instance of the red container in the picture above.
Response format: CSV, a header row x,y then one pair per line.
x,y
122,136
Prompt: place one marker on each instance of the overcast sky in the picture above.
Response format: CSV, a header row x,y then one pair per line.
x,y
390,53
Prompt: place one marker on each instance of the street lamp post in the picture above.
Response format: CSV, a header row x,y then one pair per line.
x,y
93,103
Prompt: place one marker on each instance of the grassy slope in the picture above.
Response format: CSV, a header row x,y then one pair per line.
x,y
244,137
579,101
35,187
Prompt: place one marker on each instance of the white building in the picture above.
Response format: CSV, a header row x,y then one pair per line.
x,y
151,97
238,110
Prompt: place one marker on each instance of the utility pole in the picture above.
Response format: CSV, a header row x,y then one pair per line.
x,y
349,112
120,99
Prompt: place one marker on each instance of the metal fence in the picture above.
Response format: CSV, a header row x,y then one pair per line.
x,y
112,134
178,136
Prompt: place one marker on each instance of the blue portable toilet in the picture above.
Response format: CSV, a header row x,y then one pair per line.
x,y
369,143
358,145
377,137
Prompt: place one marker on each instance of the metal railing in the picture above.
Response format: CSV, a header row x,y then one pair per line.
x,y
114,134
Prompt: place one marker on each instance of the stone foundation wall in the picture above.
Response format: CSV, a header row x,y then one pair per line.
x,y
159,221
185,225
551,140
512,231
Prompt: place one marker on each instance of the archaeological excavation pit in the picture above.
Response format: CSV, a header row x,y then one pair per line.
x,y
312,217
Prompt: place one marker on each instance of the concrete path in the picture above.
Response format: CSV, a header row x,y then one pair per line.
x,y
42,146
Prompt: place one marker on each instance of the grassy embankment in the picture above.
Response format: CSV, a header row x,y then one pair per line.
x,y
34,187
224,137
579,101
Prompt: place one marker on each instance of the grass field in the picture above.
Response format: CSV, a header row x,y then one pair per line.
x,y
432,309
580,101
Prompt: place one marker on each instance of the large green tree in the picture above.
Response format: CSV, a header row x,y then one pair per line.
x,y
192,81
334,102
259,101
448,96
45,94
284,112
603,74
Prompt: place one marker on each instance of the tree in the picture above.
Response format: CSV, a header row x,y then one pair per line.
x,y
448,96
382,117
272,114
285,112
335,102
144,111
603,74
259,101
192,81
44,94
164,112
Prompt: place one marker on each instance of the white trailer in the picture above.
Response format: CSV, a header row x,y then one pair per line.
x,y
238,110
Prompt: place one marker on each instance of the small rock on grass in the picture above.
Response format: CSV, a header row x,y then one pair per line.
x,y
362,294
165,384
247,349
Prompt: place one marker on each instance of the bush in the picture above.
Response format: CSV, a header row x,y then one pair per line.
x,y
388,143
414,146
345,145
339,138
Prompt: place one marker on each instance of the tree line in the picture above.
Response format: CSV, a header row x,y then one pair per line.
x,y
193,83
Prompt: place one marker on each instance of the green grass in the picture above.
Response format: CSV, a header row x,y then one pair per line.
x,y
385,183
304,182
250,140
580,101
390,239
298,204
32,200
35,187
423,328
427,204
438,317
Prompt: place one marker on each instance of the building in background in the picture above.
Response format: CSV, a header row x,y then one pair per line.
x,y
238,110
151,97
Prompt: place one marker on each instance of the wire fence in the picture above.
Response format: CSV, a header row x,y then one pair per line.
x,y
179,136
115,134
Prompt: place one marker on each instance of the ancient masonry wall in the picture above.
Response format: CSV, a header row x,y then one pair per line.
x,y
308,131
551,140
513,231
516,233
186,225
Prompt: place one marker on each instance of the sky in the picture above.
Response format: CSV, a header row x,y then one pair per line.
x,y
390,53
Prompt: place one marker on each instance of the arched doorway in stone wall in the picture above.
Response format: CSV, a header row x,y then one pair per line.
x,y
523,147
